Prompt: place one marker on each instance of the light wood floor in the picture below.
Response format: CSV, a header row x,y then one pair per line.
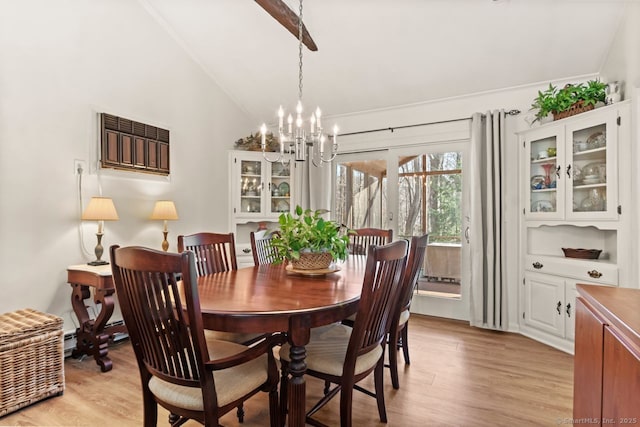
x,y
459,376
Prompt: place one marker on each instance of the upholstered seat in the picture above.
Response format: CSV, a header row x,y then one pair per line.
x,y
327,350
231,383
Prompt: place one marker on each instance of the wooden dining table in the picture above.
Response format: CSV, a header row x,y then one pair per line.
x,y
268,298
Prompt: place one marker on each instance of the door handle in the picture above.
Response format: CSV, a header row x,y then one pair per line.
x,y
390,216
568,309
558,169
559,307
466,234
569,171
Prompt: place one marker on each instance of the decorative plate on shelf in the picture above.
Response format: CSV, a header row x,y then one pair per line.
x,y
332,269
596,140
283,188
282,206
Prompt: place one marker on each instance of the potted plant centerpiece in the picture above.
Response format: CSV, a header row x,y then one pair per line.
x,y
569,100
308,241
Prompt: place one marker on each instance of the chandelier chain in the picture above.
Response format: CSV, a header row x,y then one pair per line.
x,y
300,53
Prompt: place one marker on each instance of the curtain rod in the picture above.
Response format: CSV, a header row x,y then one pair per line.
x,y
391,129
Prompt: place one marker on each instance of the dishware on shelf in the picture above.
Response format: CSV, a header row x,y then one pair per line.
x,y
582,253
542,206
283,188
594,202
542,154
596,140
537,182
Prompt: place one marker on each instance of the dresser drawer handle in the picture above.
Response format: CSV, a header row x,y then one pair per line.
x,y
537,265
246,250
595,274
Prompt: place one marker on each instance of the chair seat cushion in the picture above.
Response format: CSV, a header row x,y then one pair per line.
x,y
327,349
231,384
404,317
229,336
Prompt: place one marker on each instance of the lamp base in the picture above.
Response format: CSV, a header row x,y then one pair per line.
x,y
97,262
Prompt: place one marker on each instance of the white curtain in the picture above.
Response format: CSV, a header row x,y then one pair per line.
x,y
488,288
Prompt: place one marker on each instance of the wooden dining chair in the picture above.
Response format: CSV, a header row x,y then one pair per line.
x,y
215,253
192,377
344,356
398,331
362,238
263,252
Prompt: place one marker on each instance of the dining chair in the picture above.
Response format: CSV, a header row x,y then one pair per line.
x,y
344,356
190,376
398,331
362,238
215,253
263,252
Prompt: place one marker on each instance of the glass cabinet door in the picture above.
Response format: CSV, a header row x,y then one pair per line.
x,y
545,187
592,145
280,187
251,186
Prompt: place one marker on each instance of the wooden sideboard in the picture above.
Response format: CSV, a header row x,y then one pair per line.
x,y
606,380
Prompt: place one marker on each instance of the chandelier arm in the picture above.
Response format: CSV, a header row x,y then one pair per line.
x,y
278,159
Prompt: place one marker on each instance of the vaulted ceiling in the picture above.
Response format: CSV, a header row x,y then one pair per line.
x,y
381,53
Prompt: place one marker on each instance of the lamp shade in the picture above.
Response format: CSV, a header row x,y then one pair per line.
x,y
100,209
164,209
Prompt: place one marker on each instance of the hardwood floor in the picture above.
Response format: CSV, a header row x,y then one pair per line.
x,y
459,376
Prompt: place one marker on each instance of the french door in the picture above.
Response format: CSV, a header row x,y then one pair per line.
x,y
414,190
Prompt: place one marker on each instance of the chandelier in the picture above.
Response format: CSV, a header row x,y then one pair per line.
x,y
295,140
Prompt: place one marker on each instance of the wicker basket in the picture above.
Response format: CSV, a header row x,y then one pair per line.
x,y
576,108
312,261
31,358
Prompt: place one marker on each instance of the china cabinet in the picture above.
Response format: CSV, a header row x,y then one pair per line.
x,y
259,192
575,194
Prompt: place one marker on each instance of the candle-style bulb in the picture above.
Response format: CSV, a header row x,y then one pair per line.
x,y
312,121
280,118
280,112
318,115
263,131
299,107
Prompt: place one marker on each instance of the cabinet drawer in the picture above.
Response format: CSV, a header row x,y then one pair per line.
x,y
580,269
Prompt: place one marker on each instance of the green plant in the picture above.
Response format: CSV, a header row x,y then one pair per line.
x,y
554,100
308,231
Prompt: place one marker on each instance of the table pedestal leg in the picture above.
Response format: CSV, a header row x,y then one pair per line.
x,y
91,337
297,386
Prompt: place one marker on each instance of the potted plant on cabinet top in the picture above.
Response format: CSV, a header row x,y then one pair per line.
x,y
308,241
571,99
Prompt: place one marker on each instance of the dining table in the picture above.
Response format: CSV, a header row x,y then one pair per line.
x,y
271,298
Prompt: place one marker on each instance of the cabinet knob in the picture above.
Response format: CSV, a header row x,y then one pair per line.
x,y
537,265
595,274
559,307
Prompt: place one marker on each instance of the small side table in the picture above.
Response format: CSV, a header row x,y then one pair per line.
x,y
92,335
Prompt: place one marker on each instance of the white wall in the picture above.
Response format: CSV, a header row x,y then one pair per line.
x,y
623,64
61,63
